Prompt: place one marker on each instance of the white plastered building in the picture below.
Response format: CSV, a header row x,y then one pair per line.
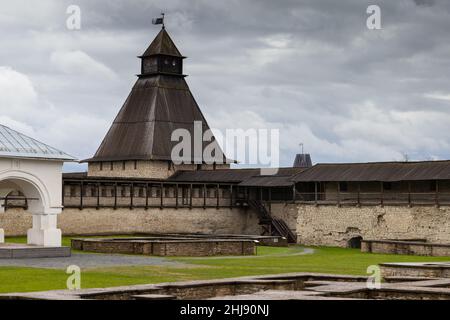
x,y
35,170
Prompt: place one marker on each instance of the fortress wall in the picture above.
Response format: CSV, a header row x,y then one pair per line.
x,y
334,226
109,221
314,225
287,212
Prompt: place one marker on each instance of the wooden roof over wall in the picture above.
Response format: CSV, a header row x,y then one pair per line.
x,y
377,171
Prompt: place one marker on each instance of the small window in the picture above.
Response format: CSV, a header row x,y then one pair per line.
x,y
343,186
124,165
101,166
112,166
135,164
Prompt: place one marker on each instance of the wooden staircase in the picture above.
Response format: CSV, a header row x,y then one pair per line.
x,y
271,225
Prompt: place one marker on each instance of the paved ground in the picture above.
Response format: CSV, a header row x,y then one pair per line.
x,y
89,261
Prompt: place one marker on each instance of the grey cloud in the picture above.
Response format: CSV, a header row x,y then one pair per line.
x,y
309,67
424,2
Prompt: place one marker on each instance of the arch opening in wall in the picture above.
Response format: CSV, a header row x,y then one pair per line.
x,y
355,242
31,177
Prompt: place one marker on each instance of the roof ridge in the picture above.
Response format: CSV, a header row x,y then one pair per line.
x,y
380,162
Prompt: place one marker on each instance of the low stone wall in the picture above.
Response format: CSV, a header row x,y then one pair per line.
x,y
425,270
191,248
334,226
125,221
405,247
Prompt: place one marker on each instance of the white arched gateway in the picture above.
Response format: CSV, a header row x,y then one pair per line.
x,y
35,170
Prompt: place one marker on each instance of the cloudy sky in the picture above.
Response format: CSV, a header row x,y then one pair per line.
x,y
311,68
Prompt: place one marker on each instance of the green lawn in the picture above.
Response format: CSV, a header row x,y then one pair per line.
x,y
270,260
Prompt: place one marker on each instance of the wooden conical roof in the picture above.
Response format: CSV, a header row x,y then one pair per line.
x,y
157,105
162,44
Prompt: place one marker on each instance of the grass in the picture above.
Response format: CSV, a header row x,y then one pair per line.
x,y
270,260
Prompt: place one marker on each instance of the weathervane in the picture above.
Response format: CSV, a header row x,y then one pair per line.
x,y
159,20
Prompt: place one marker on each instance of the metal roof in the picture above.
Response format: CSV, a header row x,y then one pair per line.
x,y
14,144
302,160
377,171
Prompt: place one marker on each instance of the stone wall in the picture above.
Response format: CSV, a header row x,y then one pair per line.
x,y
143,169
314,225
335,226
405,247
135,169
109,221
168,247
16,222
421,270
287,212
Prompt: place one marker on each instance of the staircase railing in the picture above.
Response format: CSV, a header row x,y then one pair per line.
x,y
277,226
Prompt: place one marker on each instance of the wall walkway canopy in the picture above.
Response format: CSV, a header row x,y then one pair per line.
x,y
376,171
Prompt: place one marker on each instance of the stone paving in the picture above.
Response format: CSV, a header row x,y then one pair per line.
x,y
293,286
89,261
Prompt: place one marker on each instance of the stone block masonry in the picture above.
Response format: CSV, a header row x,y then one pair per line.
x,y
335,226
323,225
168,247
125,221
405,247
331,225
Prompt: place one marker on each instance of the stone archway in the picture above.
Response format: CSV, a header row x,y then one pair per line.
x,y
35,169
41,205
355,242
